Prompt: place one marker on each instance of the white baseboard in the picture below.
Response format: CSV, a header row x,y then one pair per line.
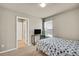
x,y
8,50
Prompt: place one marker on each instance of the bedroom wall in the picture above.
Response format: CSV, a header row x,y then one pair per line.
x,y
66,25
8,27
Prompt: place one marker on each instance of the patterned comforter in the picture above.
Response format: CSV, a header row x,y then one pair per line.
x,y
58,47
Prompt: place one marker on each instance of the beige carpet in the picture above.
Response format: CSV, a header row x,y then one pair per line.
x,y
28,51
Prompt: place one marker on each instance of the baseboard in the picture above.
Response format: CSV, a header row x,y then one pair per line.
x,y
8,50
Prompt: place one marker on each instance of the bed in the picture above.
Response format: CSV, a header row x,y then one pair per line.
x,y
58,47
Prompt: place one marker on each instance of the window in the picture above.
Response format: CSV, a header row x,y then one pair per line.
x,y
48,26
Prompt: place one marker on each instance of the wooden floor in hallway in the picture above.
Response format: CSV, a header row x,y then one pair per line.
x,y
27,51
21,43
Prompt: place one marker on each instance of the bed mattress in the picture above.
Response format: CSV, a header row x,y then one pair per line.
x,y
58,47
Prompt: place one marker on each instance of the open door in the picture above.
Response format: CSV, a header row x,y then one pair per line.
x,y
22,32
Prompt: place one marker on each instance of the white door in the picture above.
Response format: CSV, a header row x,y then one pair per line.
x,y
20,31
25,27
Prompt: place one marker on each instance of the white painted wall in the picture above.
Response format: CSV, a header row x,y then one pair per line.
x,y
66,25
8,27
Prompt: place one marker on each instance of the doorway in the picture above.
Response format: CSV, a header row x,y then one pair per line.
x,y
22,32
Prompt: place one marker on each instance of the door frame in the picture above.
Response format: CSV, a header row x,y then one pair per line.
x,y
27,19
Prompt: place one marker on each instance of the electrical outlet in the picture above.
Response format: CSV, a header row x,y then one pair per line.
x,y
2,45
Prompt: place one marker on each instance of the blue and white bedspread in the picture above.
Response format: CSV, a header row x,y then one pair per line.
x,y
58,47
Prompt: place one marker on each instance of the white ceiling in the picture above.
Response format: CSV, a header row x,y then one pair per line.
x,y
35,10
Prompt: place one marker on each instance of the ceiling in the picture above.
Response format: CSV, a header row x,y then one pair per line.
x,y
35,10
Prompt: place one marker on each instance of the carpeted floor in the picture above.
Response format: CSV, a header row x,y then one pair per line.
x,y
28,51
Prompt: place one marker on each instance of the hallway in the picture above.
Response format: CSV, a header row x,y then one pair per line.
x,y
21,44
